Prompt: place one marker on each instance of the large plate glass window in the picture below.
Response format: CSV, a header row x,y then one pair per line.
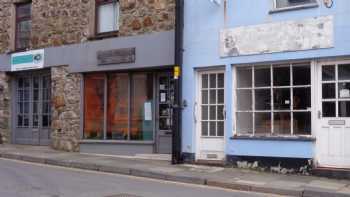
x,y
119,106
107,15
336,91
212,104
273,99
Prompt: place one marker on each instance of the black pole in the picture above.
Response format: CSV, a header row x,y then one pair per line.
x,y
176,140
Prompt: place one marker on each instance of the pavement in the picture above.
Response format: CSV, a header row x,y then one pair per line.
x,y
160,169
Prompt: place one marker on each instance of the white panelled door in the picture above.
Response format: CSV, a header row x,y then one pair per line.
x,y
333,133
211,116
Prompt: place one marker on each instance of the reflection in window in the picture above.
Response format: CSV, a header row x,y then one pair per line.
x,y
328,73
344,72
301,98
344,109
328,109
302,123
118,105
245,123
281,76
94,106
142,107
282,123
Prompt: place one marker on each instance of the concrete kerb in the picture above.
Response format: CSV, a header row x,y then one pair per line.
x,y
174,178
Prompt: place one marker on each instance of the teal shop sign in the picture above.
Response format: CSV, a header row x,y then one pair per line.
x,y
27,60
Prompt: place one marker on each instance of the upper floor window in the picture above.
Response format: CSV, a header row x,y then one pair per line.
x,y
293,3
107,16
23,25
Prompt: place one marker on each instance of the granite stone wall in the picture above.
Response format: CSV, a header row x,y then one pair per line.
x,y
5,108
56,23
65,127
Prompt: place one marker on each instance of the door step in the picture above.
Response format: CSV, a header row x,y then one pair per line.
x,y
337,173
210,162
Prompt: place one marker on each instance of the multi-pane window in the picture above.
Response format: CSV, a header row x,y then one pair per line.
x,y
293,3
273,99
23,102
23,25
212,104
336,90
119,106
107,16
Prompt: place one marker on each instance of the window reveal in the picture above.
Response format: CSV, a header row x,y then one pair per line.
x,y
129,108
23,25
274,100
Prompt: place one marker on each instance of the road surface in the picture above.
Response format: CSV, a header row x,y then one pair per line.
x,y
21,179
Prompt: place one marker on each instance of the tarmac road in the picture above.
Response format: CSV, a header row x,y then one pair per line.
x,y
22,179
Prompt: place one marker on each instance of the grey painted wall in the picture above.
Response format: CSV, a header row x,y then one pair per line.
x,y
152,50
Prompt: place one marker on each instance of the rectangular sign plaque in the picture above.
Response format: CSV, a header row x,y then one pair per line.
x,y
116,56
27,60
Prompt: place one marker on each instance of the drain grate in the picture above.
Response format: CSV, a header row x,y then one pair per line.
x,y
123,195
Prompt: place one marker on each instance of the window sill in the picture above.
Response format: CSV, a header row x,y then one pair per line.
x,y
274,138
101,36
299,7
115,142
9,52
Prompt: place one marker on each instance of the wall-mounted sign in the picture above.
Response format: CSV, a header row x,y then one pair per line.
x,y
116,56
27,60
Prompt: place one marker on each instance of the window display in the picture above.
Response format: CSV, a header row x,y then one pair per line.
x,y
274,99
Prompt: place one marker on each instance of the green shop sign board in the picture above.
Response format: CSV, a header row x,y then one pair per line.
x,y
27,60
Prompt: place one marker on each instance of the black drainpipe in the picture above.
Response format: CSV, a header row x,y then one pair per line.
x,y
176,140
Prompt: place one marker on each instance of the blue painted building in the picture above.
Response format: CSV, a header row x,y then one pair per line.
x,y
267,79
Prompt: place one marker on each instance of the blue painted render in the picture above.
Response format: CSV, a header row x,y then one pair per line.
x,y
262,148
203,22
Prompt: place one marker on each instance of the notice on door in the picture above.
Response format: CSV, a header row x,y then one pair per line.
x,y
148,111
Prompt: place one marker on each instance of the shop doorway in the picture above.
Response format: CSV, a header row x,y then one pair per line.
x,y
31,117
210,108
164,121
333,134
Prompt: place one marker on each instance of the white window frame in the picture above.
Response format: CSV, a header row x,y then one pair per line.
x,y
272,87
292,7
200,105
336,81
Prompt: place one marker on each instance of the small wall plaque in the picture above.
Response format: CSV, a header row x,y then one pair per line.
x,y
116,56
336,122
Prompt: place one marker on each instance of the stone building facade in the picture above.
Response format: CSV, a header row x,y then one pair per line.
x,y
56,24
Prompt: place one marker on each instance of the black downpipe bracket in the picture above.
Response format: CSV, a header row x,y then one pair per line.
x,y
176,138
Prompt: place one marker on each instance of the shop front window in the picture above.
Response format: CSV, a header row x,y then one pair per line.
x,y
94,106
274,99
119,106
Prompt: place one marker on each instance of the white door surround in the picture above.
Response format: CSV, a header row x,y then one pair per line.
x,y
209,115
333,114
